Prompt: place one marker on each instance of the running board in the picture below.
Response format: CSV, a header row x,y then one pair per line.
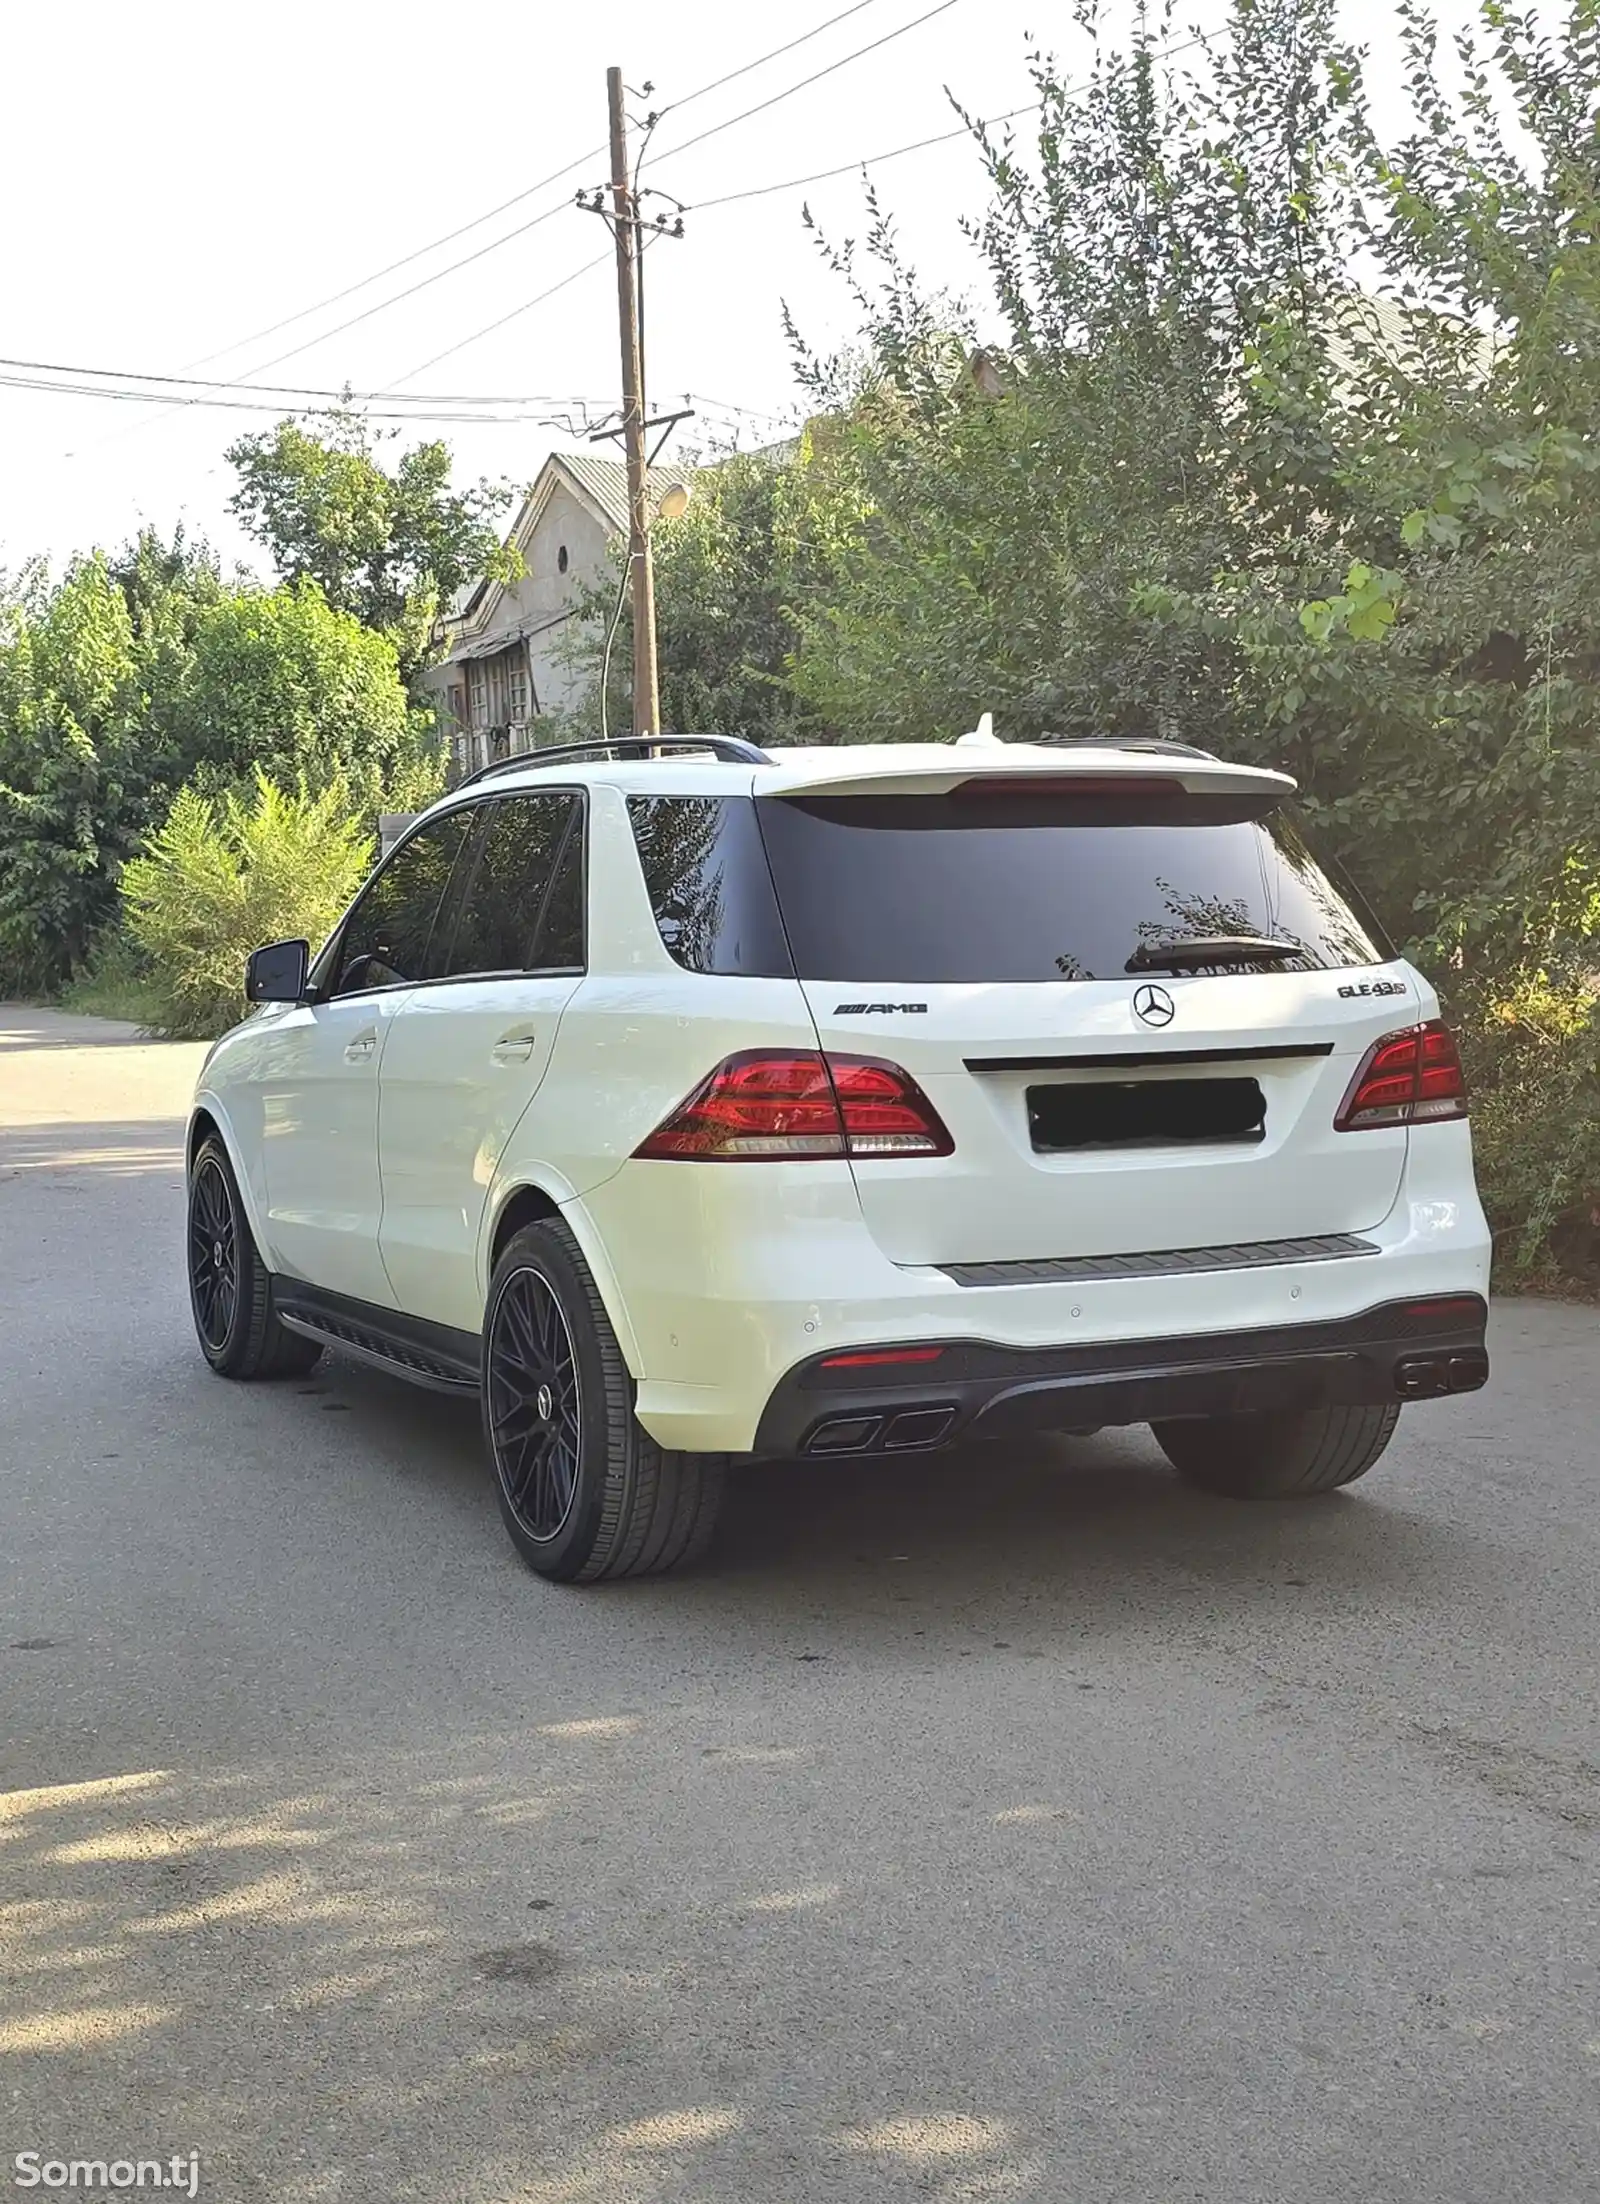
x,y
434,1355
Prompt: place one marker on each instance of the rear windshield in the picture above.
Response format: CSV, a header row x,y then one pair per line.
x,y
949,889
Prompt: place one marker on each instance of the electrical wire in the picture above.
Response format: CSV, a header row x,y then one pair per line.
x,y
854,168
517,199
945,137
277,406
132,375
406,260
776,54
489,328
422,251
494,244
805,83
396,298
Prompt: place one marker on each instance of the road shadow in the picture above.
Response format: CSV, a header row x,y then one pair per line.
x,y
1045,1542
93,1145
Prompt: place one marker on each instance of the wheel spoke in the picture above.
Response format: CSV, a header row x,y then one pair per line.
x,y
519,1321
213,1255
534,1414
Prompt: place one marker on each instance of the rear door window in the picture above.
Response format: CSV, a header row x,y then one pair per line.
x,y
952,888
710,885
520,911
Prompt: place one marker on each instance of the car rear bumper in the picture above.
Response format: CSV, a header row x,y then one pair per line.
x,y
725,1284
913,1396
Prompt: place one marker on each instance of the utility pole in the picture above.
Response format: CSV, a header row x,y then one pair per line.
x,y
625,227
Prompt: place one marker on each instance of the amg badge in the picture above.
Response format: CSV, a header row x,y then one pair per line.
x,y
874,1010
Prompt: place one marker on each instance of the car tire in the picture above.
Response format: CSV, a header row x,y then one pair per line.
x,y
230,1288
1283,1457
585,1492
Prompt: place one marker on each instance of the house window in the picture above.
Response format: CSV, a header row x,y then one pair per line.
x,y
456,703
478,693
561,559
516,686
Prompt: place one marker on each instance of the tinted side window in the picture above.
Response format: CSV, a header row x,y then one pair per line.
x,y
390,938
514,869
563,942
710,886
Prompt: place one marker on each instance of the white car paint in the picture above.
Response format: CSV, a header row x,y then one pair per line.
x,y
386,1177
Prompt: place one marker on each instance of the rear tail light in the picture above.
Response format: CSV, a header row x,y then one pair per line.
x,y
784,1106
1409,1078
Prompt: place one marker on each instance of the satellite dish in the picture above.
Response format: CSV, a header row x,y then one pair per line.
x,y
674,502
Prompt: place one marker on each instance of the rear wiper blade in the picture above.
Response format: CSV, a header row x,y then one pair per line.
x,y
1173,956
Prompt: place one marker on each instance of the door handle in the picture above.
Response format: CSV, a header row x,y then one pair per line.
x,y
513,1048
361,1048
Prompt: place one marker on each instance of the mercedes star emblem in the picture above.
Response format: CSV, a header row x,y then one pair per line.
x,y
1154,1005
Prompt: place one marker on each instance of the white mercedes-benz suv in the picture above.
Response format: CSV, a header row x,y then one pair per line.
x,y
688,1103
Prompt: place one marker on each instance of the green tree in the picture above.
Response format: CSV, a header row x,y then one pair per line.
x,y
729,573
134,676
1220,494
389,545
283,683
74,781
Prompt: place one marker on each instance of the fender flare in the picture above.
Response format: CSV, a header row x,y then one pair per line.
x,y
207,1104
569,1203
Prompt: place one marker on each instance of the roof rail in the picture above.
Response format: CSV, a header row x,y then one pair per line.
x,y
731,749
1154,743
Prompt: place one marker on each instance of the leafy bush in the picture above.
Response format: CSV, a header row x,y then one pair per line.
x,y
1532,1053
225,874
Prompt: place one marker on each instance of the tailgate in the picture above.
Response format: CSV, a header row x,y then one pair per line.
x,y
1136,1005
1080,1130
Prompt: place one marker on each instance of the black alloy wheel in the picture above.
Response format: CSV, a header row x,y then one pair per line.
x,y
584,1490
535,1406
230,1289
213,1253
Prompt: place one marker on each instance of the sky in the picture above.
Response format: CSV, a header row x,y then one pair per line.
x,y
189,175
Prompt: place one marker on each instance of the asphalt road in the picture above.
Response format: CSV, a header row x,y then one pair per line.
x,y
1019,1830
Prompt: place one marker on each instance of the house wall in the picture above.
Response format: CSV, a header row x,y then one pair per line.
x,y
544,590
531,607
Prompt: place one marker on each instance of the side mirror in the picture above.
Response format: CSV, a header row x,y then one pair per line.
x,y
278,974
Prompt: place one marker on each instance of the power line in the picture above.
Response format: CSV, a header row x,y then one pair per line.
x,y
776,54
489,328
477,222
396,297
805,83
406,260
297,390
112,396
726,405
854,168
495,243
517,199
875,160
714,131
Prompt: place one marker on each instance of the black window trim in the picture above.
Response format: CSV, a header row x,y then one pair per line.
x,y
478,807
327,957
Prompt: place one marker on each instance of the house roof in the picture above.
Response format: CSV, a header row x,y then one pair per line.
x,y
605,482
